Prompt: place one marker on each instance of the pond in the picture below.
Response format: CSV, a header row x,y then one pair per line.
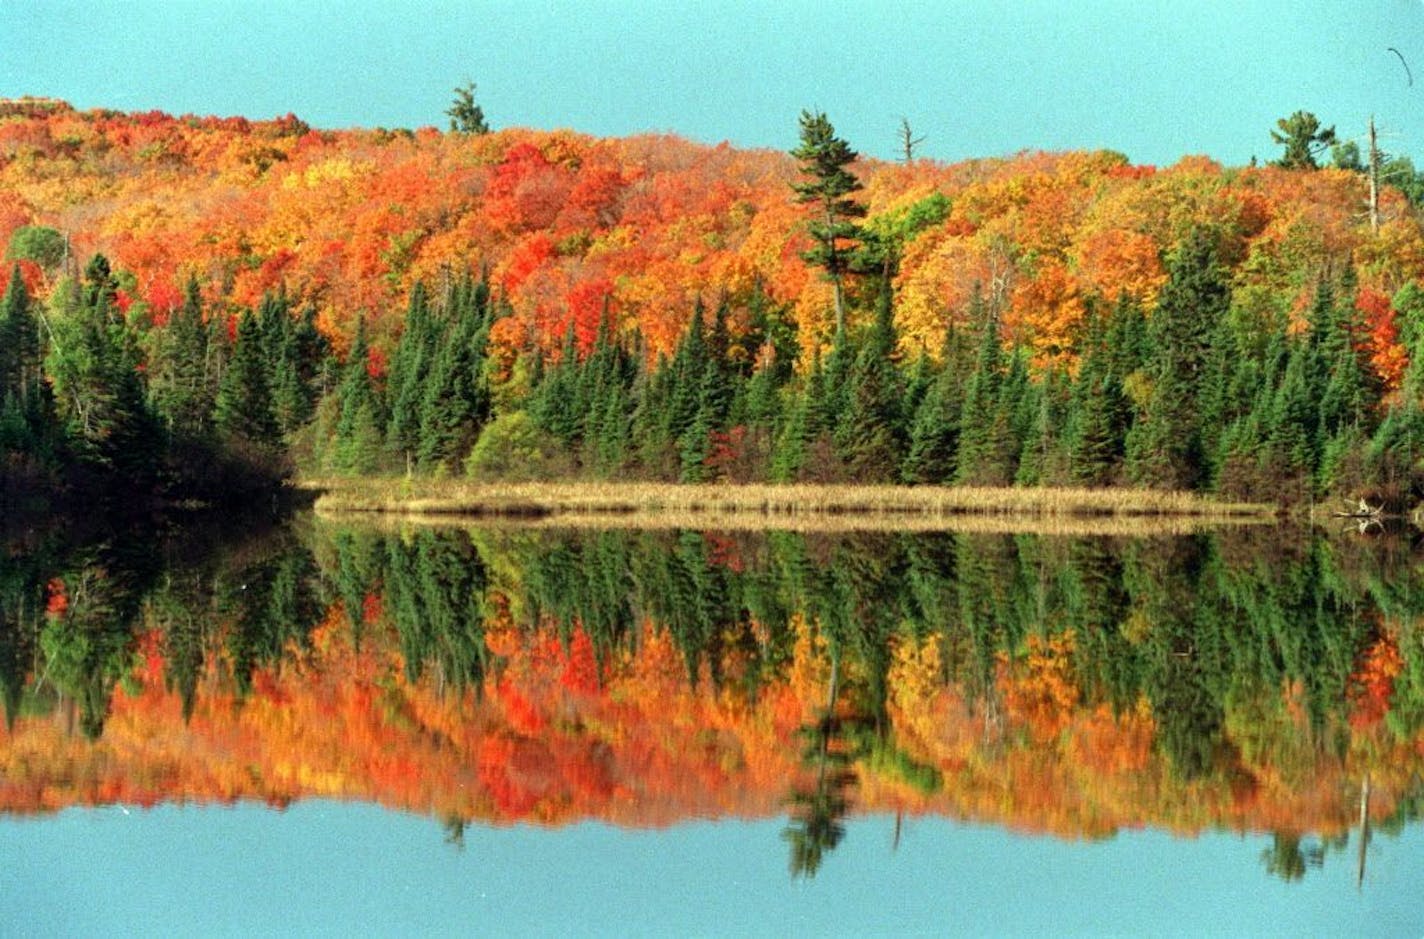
x,y
325,726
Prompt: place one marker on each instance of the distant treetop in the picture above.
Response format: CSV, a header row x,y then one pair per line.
x,y
466,117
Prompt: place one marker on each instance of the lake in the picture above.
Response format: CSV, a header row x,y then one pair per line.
x,y
328,727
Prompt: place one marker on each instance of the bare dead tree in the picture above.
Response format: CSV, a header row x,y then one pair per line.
x,y
908,141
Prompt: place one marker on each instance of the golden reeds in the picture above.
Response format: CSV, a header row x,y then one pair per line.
x,y
769,506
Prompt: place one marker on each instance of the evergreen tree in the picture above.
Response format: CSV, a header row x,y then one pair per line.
x,y
807,420
713,391
28,429
932,452
870,436
405,382
554,402
1046,409
466,117
182,394
1099,411
1290,427
20,373
1164,448
1396,450
94,367
243,409
357,442
456,401
1303,139
828,186
977,434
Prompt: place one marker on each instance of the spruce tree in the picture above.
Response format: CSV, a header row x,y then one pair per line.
x,y
977,434
20,373
1165,448
242,411
1291,429
1098,411
357,443
870,436
182,394
405,383
807,419
94,367
456,401
932,452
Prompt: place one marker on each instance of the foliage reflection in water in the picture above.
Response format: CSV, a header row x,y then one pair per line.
x,y
1072,686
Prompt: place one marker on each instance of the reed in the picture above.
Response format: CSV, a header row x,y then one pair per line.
x,y
761,506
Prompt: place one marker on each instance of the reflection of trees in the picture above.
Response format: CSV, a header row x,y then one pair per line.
x,y
1184,664
22,601
272,608
88,645
816,825
435,589
1289,856
1229,665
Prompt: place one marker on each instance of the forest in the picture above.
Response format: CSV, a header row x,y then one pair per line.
x,y
197,308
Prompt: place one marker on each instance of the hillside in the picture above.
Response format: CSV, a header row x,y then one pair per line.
x,y
562,230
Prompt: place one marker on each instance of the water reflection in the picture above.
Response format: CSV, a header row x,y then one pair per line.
x,y
1075,686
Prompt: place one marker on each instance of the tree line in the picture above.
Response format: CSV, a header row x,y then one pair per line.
x,y
1197,393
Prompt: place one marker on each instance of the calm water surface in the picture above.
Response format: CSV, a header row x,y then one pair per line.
x,y
326,728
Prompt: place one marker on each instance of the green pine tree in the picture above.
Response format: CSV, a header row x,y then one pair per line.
x,y
243,409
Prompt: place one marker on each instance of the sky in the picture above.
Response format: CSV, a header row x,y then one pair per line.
x,y
1155,79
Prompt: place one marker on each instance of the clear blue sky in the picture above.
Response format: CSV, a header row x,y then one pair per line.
x,y
1155,79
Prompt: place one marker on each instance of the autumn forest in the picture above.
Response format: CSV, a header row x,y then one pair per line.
x,y
201,316
197,307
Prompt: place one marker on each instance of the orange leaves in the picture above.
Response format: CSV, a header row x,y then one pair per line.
x,y
525,258
1117,261
30,275
1372,684
1044,313
1040,692
348,220
56,598
1381,339
586,301
526,191
580,671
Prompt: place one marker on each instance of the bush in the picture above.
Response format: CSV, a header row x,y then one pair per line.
x,y
44,246
513,448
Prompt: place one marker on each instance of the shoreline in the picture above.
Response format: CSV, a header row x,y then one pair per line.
x,y
772,506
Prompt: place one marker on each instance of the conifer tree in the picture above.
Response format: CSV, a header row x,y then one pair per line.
x,y
806,421
828,189
1291,428
1396,450
182,394
27,424
456,400
932,451
20,373
1099,412
357,442
411,362
1164,448
977,434
553,403
649,445
870,436
93,365
243,408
